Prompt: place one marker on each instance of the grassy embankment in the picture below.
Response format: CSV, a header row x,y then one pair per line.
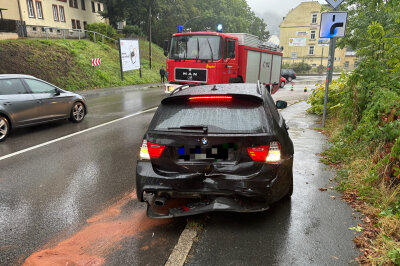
x,y
67,63
366,154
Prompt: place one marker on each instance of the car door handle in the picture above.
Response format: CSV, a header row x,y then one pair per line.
x,y
7,103
39,101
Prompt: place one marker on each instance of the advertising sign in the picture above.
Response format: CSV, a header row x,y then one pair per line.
x,y
130,54
293,55
302,33
323,42
333,25
297,41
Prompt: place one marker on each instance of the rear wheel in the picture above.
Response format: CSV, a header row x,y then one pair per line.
x,y
4,128
78,112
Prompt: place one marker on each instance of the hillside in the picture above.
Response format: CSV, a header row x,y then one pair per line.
x,y
67,63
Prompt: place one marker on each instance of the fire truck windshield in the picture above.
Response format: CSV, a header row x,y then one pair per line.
x,y
196,47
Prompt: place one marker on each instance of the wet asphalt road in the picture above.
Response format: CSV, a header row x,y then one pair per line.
x,y
76,190
74,201
309,229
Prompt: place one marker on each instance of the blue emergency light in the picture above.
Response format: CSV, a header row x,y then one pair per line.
x,y
219,28
180,28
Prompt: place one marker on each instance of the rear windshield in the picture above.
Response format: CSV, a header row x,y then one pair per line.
x,y
237,116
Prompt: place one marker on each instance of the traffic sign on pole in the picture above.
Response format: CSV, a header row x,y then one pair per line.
x,y
334,3
333,24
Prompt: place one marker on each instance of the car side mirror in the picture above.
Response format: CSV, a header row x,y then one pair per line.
x,y
281,104
231,49
57,92
166,43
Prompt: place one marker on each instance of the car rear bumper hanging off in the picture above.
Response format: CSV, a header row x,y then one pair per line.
x,y
219,192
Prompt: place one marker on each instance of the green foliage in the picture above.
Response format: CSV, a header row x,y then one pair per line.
x,y
335,95
133,30
104,29
166,15
394,255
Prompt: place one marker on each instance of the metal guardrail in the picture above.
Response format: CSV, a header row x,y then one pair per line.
x,y
82,34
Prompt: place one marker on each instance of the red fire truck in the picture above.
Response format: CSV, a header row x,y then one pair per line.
x,y
216,57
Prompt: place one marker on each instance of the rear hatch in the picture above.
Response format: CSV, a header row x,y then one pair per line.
x,y
209,135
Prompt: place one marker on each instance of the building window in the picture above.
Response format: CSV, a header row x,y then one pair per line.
x,y
85,25
312,35
34,28
78,24
93,7
98,7
347,64
31,10
39,9
73,23
73,3
83,4
314,19
311,50
55,13
62,14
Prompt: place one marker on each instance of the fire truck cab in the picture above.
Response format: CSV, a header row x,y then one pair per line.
x,y
197,58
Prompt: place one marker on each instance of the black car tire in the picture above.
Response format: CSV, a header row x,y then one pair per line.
x,y
4,127
289,79
282,84
78,112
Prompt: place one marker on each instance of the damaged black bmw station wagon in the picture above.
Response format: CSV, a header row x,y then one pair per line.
x,y
215,148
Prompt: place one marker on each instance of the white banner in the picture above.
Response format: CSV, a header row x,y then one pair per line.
x,y
297,41
130,55
302,33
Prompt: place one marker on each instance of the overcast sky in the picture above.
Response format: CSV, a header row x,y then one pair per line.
x,y
280,7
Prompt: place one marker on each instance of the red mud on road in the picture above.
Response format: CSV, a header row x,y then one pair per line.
x,y
103,232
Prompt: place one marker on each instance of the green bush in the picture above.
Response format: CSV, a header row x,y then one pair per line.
x,y
135,30
104,29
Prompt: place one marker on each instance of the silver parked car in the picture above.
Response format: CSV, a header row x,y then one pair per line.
x,y
26,101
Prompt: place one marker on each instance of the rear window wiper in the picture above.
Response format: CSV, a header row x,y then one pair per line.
x,y
188,128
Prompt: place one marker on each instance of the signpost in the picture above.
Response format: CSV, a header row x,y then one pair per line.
x,y
129,54
333,25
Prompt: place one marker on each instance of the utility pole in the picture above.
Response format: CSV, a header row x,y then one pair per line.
x,y
151,3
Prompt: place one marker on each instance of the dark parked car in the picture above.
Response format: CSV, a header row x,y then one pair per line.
x,y
288,74
26,101
215,148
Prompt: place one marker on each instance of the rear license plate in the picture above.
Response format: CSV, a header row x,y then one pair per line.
x,y
224,152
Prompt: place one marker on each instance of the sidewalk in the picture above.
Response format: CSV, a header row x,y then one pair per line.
x,y
106,91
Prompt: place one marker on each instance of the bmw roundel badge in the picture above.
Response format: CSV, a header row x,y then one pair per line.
x,y
204,141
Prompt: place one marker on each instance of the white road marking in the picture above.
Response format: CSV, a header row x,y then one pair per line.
x,y
182,248
73,134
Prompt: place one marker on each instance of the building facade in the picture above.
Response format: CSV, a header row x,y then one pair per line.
x,y
299,35
51,16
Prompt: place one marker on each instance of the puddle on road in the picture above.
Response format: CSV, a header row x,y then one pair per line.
x,y
103,232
